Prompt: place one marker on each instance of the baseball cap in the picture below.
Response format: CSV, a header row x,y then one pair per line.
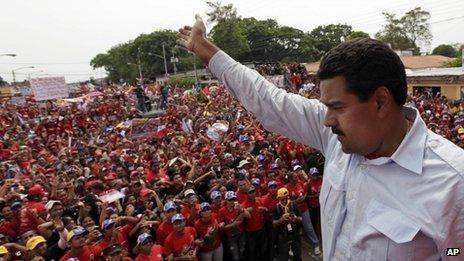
x,y
188,192
272,183
274,166
215,194
296,167
143,237
282,192
255,182
17,205
108,223
243,138
3,250
313,171
295,162
251,189
261,157
79,231
52,203
36,190
240,126
243,163
177,217
169,206
230,195
204,205
112,249
34,241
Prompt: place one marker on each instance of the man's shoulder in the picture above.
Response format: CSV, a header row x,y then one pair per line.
x,y
449,153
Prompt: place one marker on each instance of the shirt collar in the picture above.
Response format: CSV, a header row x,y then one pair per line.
x,y
410,153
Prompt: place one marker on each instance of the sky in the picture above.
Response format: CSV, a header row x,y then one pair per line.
x,y
60,37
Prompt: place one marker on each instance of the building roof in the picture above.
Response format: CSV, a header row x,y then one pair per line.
x,y
410,62
427,61
428,72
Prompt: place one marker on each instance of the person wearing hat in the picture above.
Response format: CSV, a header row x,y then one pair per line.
x,y
147,249
242,189
313,186
207,228
254,226
216,202
269,201
37,246
298,194
182,242
115,252
230,220
78,248
166,227
34,211
287,221
190,207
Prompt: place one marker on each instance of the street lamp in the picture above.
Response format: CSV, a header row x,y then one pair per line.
x,y
164,59
29,75
20,68
8,54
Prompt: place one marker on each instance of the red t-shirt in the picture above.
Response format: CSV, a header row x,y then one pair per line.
x,y
163,231
314,188
268,201
180,245
241,196
186,211
203,228
228,217
88,253
256,220
295,191
10,227
27,220
156,254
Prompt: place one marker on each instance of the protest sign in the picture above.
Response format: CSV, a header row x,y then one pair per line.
x,y
49,88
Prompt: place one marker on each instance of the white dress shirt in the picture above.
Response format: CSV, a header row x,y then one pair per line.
x,y
409,206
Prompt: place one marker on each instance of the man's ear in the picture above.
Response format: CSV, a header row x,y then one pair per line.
x,y
383,99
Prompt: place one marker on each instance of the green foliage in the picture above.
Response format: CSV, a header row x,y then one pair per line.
x,y
406,32
445,50
358,34
182,81
327,37
121,60
457,62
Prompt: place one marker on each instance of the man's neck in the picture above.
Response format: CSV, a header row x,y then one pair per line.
x,y
394,137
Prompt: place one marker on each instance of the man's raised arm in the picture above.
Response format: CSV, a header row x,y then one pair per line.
x,y
289,114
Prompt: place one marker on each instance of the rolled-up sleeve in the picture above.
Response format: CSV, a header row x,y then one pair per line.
x,y
292,115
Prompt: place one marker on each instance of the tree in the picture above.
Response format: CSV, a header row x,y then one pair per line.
x,y
327,37
358,34
415,24
445,50
392,33
2,82
227,33
407,32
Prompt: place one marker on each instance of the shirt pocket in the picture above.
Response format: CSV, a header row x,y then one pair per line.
x,y
332,197
398,229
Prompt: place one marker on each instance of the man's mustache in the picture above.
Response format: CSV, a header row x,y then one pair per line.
x,y
337,131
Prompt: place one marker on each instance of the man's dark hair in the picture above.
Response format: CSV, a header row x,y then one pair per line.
x,y
366,64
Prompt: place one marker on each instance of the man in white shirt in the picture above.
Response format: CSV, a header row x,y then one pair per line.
x,y
392,189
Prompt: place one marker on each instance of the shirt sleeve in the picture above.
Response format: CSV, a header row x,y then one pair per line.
x,y
285,113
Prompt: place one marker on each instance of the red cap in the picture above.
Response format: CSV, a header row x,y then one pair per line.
x,y
111,176
36,190
90,183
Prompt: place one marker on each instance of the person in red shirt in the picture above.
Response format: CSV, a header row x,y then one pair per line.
x,y
269,201
181,243
254,226
148,250
114,252
10,226
33,212
241,193
314,186
207,228
297,193
230,219
166,227
79,250
216,202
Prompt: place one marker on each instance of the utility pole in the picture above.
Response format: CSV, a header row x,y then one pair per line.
x,y
195,68
165,63
174,60
140,67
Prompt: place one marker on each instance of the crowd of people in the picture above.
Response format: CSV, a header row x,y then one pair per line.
x,y
211,184
76,185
